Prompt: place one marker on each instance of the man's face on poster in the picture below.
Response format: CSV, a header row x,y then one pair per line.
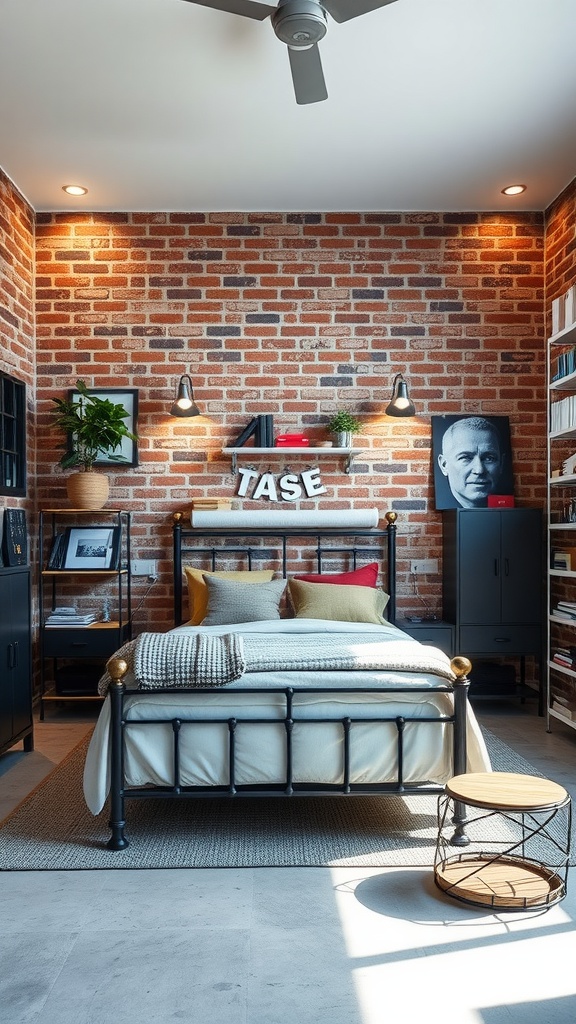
x,y
472,461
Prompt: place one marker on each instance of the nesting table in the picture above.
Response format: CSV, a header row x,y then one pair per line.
x,y
518,827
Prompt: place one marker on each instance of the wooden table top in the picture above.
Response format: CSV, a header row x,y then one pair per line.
x,y
506,791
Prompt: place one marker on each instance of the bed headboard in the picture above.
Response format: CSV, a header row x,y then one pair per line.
x,y
213,545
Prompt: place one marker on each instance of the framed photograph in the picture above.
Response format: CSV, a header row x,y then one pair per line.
x,y
472,460
91,547
128,397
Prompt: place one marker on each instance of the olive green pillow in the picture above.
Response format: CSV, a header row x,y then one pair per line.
x,y
331,601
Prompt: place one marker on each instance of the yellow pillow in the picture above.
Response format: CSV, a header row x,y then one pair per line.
x,y
343,604
198,591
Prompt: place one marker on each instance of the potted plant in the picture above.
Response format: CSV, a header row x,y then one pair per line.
x,y
94,427
343,425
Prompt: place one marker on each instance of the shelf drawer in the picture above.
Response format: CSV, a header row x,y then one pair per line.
x,y
431,633
82,643
500,639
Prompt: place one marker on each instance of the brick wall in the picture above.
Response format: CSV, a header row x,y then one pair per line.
x,y
296,315
17,356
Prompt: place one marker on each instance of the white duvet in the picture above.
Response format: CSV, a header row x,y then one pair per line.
x,y
261,747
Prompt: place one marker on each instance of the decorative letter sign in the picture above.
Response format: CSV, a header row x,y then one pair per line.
x,y
290,486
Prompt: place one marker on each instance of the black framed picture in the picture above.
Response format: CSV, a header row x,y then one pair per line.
x,y
12,436
472,459
128,397
87,548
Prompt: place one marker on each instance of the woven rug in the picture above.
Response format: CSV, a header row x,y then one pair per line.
x,y
53,830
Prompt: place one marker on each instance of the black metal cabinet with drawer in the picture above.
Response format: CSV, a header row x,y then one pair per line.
x,y
492,575
72,656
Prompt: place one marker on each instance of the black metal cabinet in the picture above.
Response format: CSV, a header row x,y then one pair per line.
x,y
493,581
73,655
15,659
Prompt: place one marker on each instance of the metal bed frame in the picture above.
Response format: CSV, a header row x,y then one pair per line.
x,y
251,549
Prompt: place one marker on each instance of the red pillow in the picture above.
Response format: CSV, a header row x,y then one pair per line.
x,y
364,577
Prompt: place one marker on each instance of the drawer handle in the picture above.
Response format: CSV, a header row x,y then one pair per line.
x,y
78,644
501,639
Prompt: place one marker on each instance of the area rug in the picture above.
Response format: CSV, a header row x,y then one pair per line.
x,y
53,830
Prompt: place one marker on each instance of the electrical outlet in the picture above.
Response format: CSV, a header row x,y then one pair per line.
x,y
143,567
424,565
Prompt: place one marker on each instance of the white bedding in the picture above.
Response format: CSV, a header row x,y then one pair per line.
x,y
260,748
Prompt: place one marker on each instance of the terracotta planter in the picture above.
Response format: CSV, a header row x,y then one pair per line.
x,y
88,490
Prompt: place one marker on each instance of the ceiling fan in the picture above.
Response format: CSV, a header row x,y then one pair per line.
x,y
300,24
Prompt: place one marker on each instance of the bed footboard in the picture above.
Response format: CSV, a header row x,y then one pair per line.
x,y
118,792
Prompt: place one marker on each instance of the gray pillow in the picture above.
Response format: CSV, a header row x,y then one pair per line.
x,y
230,601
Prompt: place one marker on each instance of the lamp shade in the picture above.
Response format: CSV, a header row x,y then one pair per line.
x,y
184,404
400,403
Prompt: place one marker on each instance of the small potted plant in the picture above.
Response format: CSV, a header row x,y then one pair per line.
x,y
343,425
94,427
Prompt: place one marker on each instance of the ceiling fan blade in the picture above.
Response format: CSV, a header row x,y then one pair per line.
x,y
245,8
307,74
345,10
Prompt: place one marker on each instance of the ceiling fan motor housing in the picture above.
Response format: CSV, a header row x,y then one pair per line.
x,y
300,23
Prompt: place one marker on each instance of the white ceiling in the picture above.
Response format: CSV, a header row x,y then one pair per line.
x,y
165,105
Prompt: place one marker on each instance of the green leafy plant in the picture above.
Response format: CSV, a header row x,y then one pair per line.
x,y
94,426
343,422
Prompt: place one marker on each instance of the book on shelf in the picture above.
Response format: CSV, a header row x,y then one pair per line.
x,y
559,613
57,551
564,559
563,662
565,710
264,437
245,434
211,504
558,309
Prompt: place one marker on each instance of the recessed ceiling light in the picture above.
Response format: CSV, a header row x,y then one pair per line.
x,y
74,190
513,190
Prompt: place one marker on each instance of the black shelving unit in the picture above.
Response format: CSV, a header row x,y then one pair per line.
x,y
72,657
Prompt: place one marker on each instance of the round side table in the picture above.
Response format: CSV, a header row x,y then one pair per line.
x,y
519,829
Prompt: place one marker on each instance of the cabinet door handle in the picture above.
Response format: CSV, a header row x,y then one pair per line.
x,y
506,567
16,658
495,566
10,656
501,639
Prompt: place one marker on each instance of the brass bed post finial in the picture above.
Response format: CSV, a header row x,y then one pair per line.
x,y
117,669
178,517
391,518
461,668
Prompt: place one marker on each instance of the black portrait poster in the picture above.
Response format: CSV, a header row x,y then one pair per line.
x,y
472,459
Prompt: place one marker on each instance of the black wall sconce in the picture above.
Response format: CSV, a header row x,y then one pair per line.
x,y
184,404
400,403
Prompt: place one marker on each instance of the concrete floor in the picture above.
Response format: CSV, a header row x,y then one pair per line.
x,y
279,945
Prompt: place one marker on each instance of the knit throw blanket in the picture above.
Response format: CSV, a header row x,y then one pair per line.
x,y
177,661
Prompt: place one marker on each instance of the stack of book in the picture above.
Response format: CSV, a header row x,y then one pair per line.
x,y
67,617
211,505
564,707
565,610
565,656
